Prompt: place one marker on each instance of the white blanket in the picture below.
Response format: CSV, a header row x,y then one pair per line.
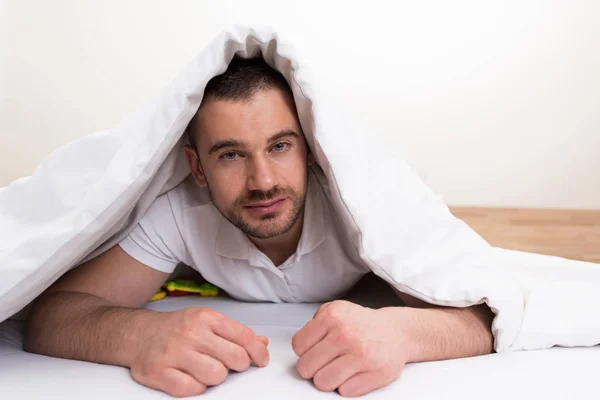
x,y
88,195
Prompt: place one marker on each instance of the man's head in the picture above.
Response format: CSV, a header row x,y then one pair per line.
x,y
248,148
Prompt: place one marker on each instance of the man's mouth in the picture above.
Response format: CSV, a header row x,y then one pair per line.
x,y
267,206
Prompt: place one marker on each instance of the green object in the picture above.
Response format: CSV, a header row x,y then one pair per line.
x,y
182,285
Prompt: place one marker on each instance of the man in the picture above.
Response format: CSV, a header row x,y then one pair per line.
x,y
253,220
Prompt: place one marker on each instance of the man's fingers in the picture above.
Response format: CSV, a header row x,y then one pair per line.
x,y
332,375
318,357
264,339
203,368
363,383
242,335
311,334
257,350
175,383
232,355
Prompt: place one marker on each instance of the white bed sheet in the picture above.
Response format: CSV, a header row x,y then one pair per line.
x,y
555,373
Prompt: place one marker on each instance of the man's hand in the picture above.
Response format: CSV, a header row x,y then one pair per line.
x,y
350,348
356,350
187,350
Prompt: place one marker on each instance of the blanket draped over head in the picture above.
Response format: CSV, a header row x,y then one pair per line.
x,y
88,195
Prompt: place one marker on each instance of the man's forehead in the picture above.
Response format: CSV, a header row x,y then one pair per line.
x,y
253,119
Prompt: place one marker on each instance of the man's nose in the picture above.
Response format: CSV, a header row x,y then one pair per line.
x,y
261,175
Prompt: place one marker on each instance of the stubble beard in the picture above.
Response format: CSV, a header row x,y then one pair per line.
x,y
234,212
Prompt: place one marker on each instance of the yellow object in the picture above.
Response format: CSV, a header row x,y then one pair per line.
x,y
158,295
186,286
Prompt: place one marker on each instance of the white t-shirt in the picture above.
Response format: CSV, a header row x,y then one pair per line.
x,y
184,226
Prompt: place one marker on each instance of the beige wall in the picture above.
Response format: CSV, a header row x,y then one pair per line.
x,y
494,104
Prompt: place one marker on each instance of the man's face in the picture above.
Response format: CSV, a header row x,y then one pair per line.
x,y
253,158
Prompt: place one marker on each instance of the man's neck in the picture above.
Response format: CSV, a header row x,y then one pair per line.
x,y
280,248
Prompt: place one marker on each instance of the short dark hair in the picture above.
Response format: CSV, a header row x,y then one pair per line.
x,y
241,80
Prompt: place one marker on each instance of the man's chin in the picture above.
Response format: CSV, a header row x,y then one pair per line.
x,y
267,225
260,231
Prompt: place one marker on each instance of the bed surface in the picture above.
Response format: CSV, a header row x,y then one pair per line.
x,y
556,373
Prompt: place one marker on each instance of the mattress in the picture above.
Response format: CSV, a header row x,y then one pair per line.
x,y
555,373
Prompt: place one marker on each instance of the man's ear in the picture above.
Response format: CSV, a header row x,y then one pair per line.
x,y
195,167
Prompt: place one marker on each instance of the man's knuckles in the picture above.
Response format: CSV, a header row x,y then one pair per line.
x,y
194,321
200,315
323,382
321,308
338,311
239,360
248,339
305,367
184,386
302,368
297,345
213,373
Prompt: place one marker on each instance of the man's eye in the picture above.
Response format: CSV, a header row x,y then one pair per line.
x,y
280,146
230,156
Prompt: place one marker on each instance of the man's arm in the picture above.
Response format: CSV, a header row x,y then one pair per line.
x,y
442,333
92,313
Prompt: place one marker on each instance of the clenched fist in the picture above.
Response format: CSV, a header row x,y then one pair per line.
x,y
350,348
191,349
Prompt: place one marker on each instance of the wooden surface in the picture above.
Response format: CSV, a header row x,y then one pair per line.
x,y
573,234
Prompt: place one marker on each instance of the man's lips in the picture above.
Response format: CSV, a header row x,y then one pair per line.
x,y
267,203
265,207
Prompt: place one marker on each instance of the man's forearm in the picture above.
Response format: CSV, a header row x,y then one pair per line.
x,y
84,327
445,333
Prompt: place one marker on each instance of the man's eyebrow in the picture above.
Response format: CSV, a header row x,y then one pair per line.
x,y
221,144
282,134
